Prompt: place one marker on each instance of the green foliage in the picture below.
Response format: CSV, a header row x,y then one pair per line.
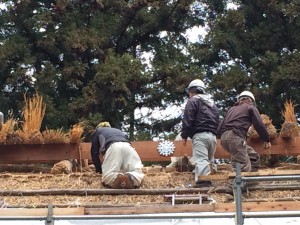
x,y
86,57
256,47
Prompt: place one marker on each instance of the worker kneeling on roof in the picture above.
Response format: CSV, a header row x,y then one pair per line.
x,y
122,166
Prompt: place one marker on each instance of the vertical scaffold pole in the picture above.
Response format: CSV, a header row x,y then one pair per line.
x,y
49,219
237,188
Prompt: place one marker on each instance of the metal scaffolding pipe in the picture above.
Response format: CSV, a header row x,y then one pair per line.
x,y
239,183
127,216
277,214
204,215
272,178
237,188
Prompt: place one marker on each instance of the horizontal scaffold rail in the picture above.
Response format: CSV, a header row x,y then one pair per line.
x,y
10,213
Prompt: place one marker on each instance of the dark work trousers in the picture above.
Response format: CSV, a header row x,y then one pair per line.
x,y
240,152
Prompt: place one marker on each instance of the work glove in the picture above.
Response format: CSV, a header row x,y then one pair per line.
x,y
267,145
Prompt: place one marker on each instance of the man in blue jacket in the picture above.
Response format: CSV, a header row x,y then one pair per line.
x,y
122,166
200,123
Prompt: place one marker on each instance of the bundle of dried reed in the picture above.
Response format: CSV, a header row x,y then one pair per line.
x,y
33,113
8,127
35,137
55,136
17,137
76,132
252,133
290,126
64,166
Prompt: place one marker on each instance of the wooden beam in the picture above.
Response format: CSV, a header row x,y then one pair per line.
x,y
280,146
258,206
86,205
153,209
250,174
272,199
51,153
37,153
148,149
41,212
266,187
217,207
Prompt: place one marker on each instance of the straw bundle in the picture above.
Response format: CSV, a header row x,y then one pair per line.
x,y
55,136
290,126
252,133
265,119
64,166
33,113
21,137
76,132
17,137
35,137
8,127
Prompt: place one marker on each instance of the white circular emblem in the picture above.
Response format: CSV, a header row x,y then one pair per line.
x,y
166,148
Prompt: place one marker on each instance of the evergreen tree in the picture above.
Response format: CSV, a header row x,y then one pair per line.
x,y
86,58
254,46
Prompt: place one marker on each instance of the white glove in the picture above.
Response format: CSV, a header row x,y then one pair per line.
x,y
267,145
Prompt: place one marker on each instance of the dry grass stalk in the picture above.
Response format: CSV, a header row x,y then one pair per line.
x,y
76,132
33,113
55,136
290,126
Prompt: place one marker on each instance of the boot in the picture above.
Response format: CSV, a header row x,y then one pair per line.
x,y
117,182
122,182
200,184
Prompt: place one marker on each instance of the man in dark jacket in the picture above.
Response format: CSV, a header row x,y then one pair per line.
x,y
233,130
122,166
200,122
